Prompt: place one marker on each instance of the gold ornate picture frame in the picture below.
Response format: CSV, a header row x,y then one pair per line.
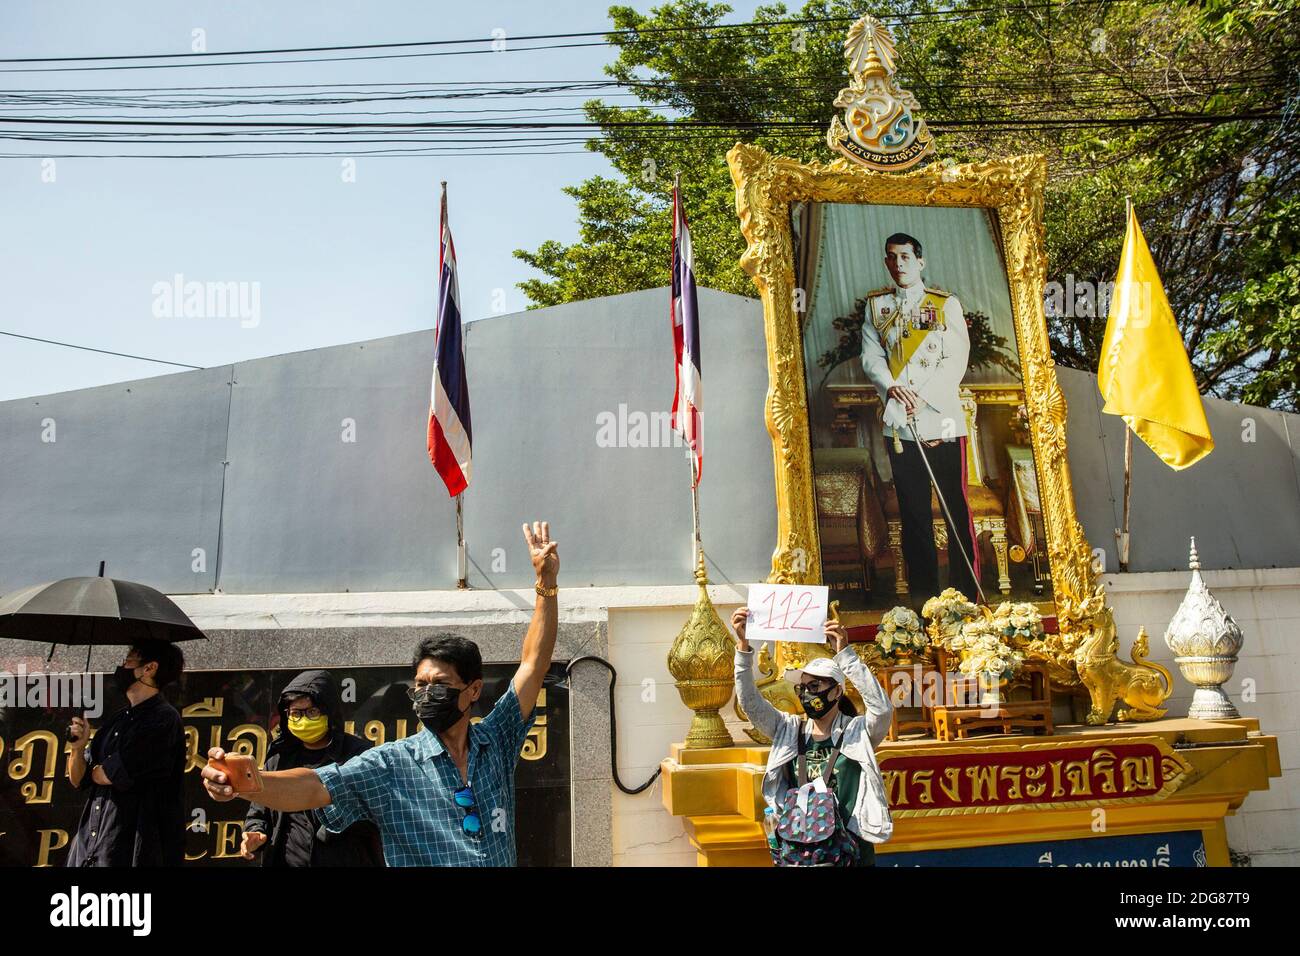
x,y
766,187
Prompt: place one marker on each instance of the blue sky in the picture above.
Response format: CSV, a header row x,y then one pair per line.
x,y
334,261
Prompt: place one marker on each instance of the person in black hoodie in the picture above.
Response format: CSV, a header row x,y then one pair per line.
x,y
310,735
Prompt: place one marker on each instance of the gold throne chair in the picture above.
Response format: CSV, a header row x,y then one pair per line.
x,y
850,522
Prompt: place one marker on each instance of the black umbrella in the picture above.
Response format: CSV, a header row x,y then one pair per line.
x,y
94,611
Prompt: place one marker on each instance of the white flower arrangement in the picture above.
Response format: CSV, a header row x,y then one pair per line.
x,y
985,653
900,630
1020,622
947,613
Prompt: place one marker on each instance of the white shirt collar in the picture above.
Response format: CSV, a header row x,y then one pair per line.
x,y
913,293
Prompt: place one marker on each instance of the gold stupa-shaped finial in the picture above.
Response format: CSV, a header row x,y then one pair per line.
x,y
701,573
869,48
700,661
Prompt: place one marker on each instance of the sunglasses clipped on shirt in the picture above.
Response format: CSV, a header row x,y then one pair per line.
x,y
470,823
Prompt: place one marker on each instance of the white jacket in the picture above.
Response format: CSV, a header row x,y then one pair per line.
x,y
934,371
870,819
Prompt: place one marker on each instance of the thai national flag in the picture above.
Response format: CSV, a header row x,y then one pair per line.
x,y
686,338
449,428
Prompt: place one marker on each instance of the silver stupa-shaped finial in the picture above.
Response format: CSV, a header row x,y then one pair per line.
x,y
1205,641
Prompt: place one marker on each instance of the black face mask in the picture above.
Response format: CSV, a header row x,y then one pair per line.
x,y
815,705
124,678
436,706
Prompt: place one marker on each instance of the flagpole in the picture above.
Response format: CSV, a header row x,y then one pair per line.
x,y
698,658
462,564
697,546
1121,535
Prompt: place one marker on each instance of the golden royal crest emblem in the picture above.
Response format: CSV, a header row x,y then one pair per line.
x,y
882,127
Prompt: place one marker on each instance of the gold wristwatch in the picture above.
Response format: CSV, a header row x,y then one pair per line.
x,y
546,592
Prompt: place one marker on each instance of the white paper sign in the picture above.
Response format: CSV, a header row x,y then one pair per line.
x,y
787,612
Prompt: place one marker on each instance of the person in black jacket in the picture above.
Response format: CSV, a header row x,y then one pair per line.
x,y
310,735
133,768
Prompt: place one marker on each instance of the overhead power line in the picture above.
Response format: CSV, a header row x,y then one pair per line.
x,y
409,147
330,59
342,115
616,124
986,80
906,17
87,348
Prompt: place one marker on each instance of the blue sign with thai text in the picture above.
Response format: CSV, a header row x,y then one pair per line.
x,y
1183,848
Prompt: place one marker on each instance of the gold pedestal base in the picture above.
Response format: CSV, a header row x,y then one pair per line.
x,y
718,793
708,729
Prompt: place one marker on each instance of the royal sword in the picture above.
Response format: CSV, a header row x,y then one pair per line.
x,y
920,447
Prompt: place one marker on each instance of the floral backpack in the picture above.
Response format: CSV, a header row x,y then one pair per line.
x,y
808,827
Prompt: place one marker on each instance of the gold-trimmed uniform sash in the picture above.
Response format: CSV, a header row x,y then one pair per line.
x,y
910,331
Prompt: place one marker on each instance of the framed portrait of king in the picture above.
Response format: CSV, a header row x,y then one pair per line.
x,y
917,424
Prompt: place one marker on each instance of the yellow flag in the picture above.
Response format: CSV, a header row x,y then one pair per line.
x,y
1145,375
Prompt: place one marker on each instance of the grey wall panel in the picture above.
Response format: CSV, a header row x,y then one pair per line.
x,y
1241,502
1265,511
133,478
1094,499
307,510
1291,435
545,382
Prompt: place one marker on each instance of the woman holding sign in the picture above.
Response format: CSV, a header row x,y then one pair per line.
x,y
825,797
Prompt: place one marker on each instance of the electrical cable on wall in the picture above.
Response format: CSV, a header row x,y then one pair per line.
x,y
613,726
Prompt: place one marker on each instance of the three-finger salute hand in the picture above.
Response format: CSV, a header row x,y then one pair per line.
x,y
543,552
738,621
214,781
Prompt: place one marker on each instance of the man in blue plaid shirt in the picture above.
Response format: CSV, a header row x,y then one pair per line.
x,y
445,796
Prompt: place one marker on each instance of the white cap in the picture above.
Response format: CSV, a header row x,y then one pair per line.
x,y
817,667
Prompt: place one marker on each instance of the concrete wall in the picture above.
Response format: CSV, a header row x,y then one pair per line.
x,y
1242,502
130,474
1265,683
308,473
651,718
309,510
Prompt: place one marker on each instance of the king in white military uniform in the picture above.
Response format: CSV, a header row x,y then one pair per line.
x,y
915,348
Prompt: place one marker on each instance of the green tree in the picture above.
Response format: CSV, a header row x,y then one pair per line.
x,y
1115,94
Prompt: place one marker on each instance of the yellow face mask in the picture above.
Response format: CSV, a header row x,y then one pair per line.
x,y
309,730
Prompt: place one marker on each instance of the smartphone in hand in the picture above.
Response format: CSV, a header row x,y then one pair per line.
x,y
240,771
77,730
